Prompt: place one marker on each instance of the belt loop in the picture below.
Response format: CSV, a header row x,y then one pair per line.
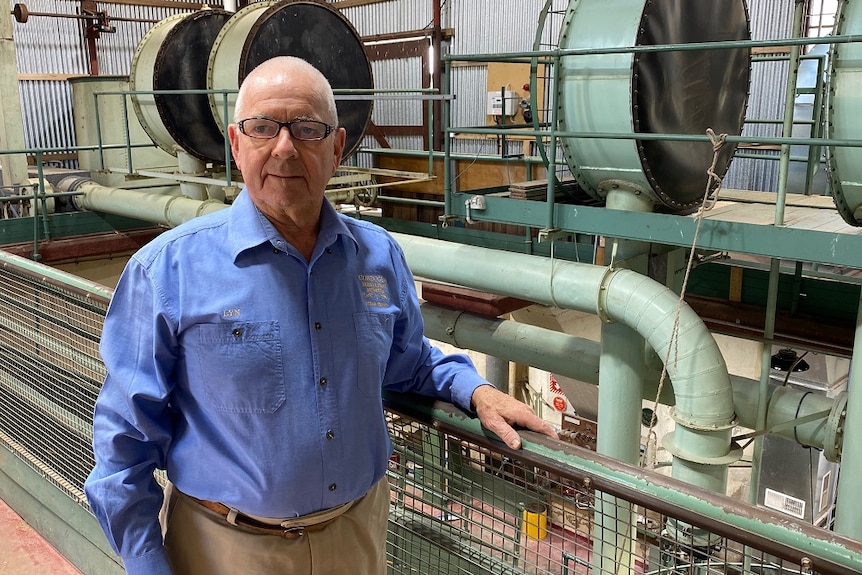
x,y
231,515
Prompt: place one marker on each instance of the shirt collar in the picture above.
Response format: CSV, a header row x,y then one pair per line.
x,y
249,228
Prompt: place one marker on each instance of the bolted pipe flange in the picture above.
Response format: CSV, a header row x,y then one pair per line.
x,y
685,422
732,456
602,295
833,438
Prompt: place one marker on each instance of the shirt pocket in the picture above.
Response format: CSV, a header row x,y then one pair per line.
x,y
373,346
241,366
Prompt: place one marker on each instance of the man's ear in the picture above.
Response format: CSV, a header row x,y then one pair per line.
x,y
340,137
233,135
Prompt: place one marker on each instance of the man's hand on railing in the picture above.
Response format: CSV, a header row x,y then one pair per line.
x,y
498,412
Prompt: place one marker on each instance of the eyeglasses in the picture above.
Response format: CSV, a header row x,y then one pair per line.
x,y
267,128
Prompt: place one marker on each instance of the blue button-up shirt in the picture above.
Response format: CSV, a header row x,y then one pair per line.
x,y
253,376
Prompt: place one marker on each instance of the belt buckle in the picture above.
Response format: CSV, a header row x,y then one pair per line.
x,y
293,532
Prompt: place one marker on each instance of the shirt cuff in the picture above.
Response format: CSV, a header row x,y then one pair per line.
x,y
462,390
153,563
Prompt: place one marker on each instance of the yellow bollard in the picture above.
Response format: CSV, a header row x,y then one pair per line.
x,y
534,522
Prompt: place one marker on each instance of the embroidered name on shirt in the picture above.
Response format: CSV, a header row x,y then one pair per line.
x,y
230,313
374,290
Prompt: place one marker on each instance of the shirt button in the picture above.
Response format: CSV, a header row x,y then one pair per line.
x,y
323,381
237,332
275,250
317,325
329,250
333,487
330,434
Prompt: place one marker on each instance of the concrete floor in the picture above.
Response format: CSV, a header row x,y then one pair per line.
x,y
24,552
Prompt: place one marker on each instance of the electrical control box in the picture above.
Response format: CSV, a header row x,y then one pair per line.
x,y
497,100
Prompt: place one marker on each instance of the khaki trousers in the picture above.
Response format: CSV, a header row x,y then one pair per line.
x,y
200,542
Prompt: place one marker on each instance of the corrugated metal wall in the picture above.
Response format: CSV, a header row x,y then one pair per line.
x,y
770,20
50,49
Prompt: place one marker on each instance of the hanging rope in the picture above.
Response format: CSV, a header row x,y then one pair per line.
x,y
713,184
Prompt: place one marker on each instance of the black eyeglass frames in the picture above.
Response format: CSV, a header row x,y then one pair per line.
x,y
267,128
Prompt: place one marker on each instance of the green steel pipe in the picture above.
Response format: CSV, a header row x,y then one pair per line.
x,y
553,351
622,362
437,154
653,136
157,208
620,397
551,169
578,358
55,276
412,201
447,142
765,366
620,403
704,409
693,46
848,519
787,127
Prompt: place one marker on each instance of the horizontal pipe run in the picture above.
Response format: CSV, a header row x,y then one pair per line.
x,y
46,274
578,358
157,208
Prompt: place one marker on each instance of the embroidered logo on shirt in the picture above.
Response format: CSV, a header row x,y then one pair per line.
x,y
230,313
374,290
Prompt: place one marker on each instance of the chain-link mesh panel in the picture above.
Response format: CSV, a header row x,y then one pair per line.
x,y
50,374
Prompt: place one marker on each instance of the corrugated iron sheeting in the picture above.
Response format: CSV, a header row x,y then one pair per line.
x,y
53,127
115,50
389,17
770,19
400,74
49,49
49,45
494,26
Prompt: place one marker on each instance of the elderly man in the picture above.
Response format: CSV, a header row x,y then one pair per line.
x,y
246,354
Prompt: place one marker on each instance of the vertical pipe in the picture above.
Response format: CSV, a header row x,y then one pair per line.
x,y
787,130
620,400
447,142
552,156
497,372
191,166
763,391
816,127
621,368
765,361
848,520
13,168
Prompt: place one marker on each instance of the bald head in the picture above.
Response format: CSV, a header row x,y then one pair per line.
x,y
288,71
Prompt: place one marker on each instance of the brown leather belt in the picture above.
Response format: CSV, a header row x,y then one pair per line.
x,y
264,528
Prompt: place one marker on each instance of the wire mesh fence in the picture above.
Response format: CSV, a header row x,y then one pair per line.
x,y
50,375
461,503
464,504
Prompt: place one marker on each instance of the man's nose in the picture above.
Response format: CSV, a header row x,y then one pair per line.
x,y
284,143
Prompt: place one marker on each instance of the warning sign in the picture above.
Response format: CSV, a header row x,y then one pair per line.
x,y
554,386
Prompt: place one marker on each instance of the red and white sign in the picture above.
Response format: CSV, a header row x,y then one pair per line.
x,y
553,385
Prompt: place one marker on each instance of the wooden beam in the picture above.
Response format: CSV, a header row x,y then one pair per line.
x,y
157,4
49,77
341,4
